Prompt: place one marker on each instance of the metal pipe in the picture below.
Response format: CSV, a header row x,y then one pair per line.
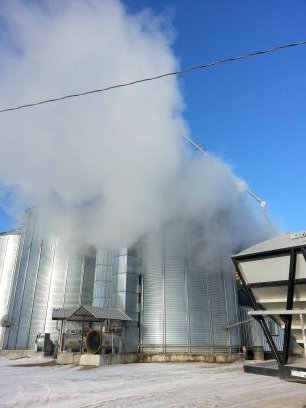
x,y
238,323
101,343
82,335
200,149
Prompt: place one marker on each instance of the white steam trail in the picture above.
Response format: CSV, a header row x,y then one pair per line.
x,y
106,168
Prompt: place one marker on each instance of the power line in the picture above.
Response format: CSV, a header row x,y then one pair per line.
x,y
138,81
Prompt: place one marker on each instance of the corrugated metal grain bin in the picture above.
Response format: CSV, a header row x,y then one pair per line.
x,y
187,302
9,244
48,275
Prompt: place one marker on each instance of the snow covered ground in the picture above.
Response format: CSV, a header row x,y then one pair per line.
x,y
142,385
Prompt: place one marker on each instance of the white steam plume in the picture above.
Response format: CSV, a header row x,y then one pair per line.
x,y
109,167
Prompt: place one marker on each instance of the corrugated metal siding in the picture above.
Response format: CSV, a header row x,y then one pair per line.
x,y
75,271
152,321
32,290
119,276
22,273
250,329
132,282
29,288
176,308
72,282
187,305
103,278
57,286
232,306
199,304
48,276
253,336
89,277
218,304
125,296
9,244
42,290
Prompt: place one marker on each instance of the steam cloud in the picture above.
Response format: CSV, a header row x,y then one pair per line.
x,y
110,167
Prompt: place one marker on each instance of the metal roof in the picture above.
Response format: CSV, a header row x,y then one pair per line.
x,y
97,314
63,313
281,241
16,231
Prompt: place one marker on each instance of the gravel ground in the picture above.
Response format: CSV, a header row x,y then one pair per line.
x,y
25,383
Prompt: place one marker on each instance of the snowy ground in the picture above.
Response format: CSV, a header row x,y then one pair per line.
x,y
143,385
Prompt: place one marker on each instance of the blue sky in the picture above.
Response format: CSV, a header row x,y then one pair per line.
x,y
251,113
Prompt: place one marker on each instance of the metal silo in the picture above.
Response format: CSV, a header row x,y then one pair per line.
x,y
126,292
9,243
187,303
31,288
117,285
103,277
71,283
48,275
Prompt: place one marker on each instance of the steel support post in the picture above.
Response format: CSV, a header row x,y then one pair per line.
x,y
289,306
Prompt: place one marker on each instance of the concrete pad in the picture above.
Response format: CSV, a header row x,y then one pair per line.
x,y
188,357
107,359
68,358
15,354
124,358
91,360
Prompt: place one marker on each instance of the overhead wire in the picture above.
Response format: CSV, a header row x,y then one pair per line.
x,y
155,77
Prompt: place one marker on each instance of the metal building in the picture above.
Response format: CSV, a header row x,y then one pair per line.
x,y
9,244
48,275
187,303
177,301
117,285
104,267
